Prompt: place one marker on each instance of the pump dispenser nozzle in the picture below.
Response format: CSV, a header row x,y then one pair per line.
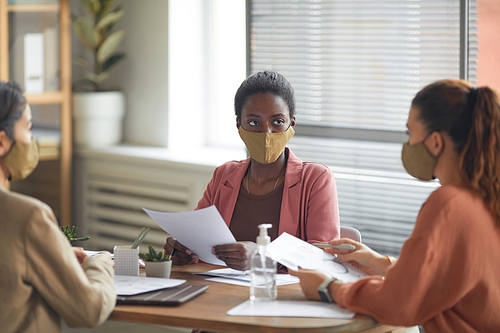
x,y
263,238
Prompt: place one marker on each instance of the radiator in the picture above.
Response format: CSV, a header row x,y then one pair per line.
x,y
110,191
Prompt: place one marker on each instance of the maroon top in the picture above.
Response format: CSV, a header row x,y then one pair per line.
x,y
251,210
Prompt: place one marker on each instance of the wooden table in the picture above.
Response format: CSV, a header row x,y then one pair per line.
x,y
208,311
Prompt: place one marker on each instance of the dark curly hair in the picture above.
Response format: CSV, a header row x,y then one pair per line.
x,y
12,106
261,83
471,117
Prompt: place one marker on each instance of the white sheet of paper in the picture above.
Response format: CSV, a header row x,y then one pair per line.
x,y
92,254
133,285
198,230
242,278
293,252
290,309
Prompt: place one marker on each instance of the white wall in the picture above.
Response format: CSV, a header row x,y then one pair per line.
x,y
189,88
143,75
184,62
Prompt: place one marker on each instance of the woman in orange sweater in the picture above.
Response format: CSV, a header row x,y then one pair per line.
x,y
447,278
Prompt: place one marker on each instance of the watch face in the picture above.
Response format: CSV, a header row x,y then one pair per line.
x,y
324,296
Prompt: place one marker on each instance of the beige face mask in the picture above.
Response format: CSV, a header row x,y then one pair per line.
x,y
265,147
22,159
418,161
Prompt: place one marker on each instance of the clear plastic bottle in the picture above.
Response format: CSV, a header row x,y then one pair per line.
x,y
263,269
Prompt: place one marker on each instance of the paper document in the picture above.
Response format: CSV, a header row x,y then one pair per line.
x,y
133,285
92,254
290,309
198,230
242,278
293,252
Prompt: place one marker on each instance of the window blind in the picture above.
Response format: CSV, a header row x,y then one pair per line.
x,y
375,194
355,66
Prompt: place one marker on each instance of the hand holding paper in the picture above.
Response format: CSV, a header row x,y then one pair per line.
x,y
180,254
293,252
198,230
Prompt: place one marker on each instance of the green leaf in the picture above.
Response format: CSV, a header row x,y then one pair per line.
x,y
82,62
85,32
109,46
109,65
152,251
96,78
80,84
110,19
82,239
71,233
92,6
105,6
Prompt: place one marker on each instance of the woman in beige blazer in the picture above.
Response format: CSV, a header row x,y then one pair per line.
x,y
42,277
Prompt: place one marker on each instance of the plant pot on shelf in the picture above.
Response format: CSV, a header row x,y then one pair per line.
x,y
159,269
98,118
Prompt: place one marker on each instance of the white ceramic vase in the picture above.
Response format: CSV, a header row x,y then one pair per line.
x,y
98,118
159,269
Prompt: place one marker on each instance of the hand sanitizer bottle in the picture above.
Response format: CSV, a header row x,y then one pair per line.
x,y
263,269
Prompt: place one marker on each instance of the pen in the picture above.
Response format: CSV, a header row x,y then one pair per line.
x,y
340,246
171,254
140,237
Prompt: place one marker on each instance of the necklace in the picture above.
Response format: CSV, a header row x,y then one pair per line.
x,y
275,184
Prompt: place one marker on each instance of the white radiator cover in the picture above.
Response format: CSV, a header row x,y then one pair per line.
x,y
111,189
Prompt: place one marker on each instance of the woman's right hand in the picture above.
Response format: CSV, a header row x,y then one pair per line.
x,y
364,258
182,255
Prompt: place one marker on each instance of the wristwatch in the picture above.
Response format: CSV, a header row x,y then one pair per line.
x,y
323,290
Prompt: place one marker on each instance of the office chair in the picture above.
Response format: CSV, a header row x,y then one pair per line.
x,y
350,232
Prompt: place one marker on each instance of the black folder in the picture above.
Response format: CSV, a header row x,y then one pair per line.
x,y
170,297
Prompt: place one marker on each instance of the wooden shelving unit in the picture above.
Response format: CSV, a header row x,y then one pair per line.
x,y
61,97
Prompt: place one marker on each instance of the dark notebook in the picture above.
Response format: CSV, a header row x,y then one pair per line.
x,y
171,296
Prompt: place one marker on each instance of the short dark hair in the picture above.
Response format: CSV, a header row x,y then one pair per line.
x,y
12,106
261,83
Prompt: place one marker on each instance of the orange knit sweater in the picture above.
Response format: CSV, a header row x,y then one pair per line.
x,y
448,275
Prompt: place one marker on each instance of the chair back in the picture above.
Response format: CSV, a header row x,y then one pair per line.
x,y
351,233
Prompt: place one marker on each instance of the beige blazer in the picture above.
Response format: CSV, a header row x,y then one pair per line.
x,y
41,279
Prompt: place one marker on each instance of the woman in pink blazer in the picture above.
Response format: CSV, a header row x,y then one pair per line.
x,y
272,185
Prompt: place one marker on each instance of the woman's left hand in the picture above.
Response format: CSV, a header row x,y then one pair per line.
x,y
310,281
237,255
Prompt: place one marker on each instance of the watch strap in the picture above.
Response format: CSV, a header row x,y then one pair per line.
x,y
323,290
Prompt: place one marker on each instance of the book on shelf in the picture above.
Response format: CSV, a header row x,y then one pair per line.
x,y
48,141
33,63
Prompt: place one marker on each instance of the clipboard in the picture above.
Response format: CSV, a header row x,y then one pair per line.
x,y
167,297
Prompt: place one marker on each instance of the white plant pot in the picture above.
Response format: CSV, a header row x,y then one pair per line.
x,y
159,269
98,118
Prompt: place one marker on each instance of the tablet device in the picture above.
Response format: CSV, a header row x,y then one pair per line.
x,y
169,297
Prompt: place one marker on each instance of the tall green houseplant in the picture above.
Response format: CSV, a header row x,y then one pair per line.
x,y
97,35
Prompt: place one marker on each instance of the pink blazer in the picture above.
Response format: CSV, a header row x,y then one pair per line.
x,y
309,208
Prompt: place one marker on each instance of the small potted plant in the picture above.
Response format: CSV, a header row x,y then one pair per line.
x,y
157,264
98,110
70,233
